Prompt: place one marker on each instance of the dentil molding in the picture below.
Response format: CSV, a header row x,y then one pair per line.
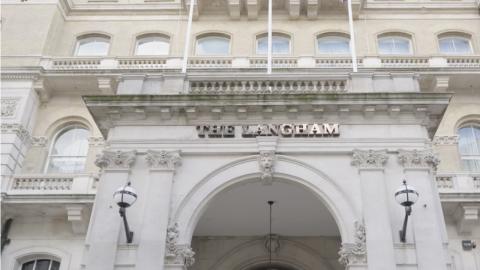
x,y
369,158
418,158
116,159
165,160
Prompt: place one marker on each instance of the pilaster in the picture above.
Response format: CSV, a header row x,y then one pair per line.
x,y
106,223
429,233
153,235
380,251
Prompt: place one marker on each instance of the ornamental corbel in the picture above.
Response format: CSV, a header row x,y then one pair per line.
x,y
164,160
266,160
355,253
116,159
418,159
368,159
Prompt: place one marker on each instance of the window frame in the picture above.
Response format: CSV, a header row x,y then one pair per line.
x,y
464,157
81,38
163,37
52,144
265,35
405,37
466,37
213,35
332,35
40,258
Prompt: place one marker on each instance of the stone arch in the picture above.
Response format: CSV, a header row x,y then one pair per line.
x,y
195,203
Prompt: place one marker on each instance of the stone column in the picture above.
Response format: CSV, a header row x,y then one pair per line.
x,y
427,216
105,224
152,241
380,250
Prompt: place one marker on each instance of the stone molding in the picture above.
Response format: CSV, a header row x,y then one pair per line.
x,y
116,159
39,141
163,160
96,141
355,253
445,140
175,253
9,107
418,158
368,159
17,129
266,162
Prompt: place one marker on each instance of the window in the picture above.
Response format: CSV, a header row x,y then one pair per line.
x,y
152,45
213,45
280,44
469,146
68,151
333,44
455,45
394,45
41,264
92,45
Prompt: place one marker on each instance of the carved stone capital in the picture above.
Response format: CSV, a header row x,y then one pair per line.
x,y
116,159
163,160
39,141
369,158
266,161
418,159
355,253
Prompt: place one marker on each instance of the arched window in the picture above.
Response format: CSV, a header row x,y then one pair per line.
x,y
68,151
469,146
394,44
92,45
153,44
41,264
280,44
451,43
333,43
213,44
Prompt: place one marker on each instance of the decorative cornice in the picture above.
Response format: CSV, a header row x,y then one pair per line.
x,y
19,76
116,159
418,158
9,107
355,253
163,160
445,140
266,161
369,158
38,141
96,141
17,129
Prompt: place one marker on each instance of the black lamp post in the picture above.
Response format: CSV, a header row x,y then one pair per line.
x,y
125,197
406,196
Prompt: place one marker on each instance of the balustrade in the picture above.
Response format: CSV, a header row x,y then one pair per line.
x,y
53,184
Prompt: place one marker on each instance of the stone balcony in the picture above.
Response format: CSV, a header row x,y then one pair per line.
x,y
459,187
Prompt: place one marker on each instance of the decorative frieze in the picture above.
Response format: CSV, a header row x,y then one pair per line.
x,y
9,107
38,141
116,159
355,253
266,160
445,140
369,158
418,159
163,159
175,253
17,129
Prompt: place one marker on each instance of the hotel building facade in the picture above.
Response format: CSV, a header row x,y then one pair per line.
x,y
208,120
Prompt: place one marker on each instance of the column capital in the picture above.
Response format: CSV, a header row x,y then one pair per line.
x,y
369,159
418,159
116,159
163,160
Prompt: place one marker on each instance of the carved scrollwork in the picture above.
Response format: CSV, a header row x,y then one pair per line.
x,y
266,161
445,140
369,158
175,253
418,159
355,253
17,129
39,141
116,159
163,159
9,107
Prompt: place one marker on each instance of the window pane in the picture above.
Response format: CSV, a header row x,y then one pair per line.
x,y
28,265
455,45
71,142
66,164
94,46
55,265
469,139
213,46
332,44
394,45
42,265
280,45
152,46
471,164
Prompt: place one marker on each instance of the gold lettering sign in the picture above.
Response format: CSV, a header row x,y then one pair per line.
x,y
283,130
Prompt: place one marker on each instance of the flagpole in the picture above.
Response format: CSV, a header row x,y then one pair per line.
x,y
187,38
352,37
269,52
